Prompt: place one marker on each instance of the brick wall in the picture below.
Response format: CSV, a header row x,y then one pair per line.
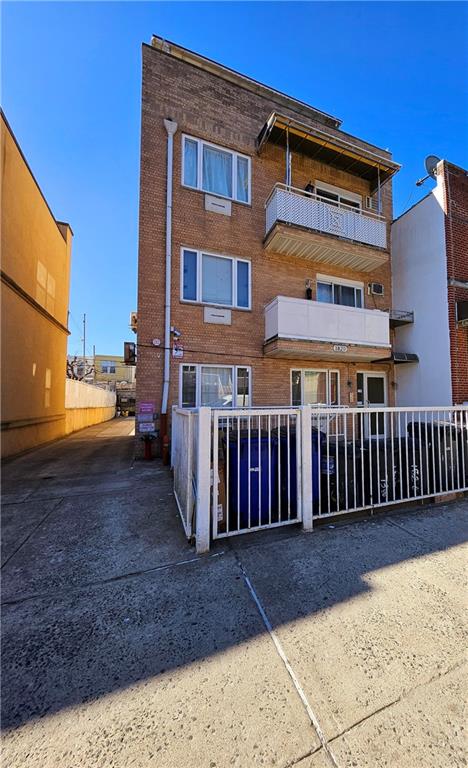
x,y
207,106
455,182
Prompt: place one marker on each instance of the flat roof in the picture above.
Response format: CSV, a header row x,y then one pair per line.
x,y
220,70
10,131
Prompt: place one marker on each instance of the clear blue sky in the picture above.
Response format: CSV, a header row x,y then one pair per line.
x,y
395,73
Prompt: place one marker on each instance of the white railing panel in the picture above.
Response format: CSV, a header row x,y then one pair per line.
x,y
295,206
292,318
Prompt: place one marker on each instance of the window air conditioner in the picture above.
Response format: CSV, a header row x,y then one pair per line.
x,y
376,289
372,204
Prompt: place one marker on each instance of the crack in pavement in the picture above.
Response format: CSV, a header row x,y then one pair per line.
x,y
110,580
41,522
295,680
403,695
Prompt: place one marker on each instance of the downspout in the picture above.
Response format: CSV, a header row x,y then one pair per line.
x,y
171,128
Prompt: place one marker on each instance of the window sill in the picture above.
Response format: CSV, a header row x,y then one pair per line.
x,y
215,194
215,306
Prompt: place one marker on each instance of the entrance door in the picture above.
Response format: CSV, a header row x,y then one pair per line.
x,y
372,393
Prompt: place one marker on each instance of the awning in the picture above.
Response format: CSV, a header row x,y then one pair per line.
x,y
339,152
399,358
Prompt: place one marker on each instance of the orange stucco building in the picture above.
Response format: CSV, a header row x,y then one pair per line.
x,y
35,279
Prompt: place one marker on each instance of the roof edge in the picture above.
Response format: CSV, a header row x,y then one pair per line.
x,y
220,70
23,157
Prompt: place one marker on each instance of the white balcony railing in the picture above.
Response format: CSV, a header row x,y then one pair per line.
x,y
296,206
289,318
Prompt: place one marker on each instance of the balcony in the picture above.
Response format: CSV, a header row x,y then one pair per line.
x,y
307,226
297,328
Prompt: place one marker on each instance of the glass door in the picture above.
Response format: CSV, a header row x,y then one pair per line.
x,y
372,393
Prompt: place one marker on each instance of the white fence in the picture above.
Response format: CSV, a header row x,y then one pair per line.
x,y
183,461
296,206
245,469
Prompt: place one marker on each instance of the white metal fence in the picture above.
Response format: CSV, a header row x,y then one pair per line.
x,y
183,462
244,469
256,461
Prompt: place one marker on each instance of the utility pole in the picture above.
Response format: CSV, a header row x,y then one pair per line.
x,y
84,338
94,363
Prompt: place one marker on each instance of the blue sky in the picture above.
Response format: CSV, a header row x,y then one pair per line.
x,y
395,73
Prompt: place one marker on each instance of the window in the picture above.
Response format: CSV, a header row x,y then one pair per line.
x,y
337,196
108,366
211,279
216,170
214,385
310,387
339,292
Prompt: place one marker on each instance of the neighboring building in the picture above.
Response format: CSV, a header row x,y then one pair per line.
x,y
430,276
36,252
112,370
273,228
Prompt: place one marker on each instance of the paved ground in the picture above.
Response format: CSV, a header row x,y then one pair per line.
x,y
121,647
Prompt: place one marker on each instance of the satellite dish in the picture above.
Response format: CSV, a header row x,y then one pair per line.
x,y
431,164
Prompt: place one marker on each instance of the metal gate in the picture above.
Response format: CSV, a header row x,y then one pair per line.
x,y
256,481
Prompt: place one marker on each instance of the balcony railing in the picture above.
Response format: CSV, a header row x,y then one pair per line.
x,y
289,318
289,205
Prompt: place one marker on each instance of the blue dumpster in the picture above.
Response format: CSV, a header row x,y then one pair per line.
x,y
260,475
289,491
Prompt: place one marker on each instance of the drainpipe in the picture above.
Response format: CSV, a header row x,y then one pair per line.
x,y
171,128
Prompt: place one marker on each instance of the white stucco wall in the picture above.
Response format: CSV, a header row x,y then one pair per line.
x,y
81,395
419,278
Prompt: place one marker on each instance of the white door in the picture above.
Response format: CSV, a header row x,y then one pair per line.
x,y
372,393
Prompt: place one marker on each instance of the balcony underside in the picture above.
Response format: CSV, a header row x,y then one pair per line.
x,y
299,349
304,243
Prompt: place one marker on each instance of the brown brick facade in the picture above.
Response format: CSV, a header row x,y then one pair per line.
x,y
455,181
208,107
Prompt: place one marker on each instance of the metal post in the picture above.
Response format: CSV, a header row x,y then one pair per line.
x,y
202,535
288,160
306,467
378,187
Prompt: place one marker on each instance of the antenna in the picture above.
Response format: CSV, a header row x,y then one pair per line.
x,y
431,164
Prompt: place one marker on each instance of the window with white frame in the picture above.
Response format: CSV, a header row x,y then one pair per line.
x,y
208,278
108,366
218,386
213,169
335,291
315,387
337,196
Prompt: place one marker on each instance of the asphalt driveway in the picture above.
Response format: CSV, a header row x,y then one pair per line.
x,y
122,647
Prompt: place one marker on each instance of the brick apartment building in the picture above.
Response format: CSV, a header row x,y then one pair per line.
x,y
430,272
273,227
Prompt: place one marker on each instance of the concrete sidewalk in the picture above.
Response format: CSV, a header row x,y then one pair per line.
x,y
121,647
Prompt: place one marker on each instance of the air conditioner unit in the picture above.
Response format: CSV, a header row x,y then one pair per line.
x,y
372,204
376,289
